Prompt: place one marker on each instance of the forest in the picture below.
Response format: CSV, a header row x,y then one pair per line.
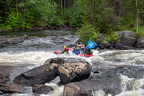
x,y
91,17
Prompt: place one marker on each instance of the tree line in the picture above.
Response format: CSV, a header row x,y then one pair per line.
x,y
96,16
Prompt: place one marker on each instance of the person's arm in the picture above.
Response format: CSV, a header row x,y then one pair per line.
x,y
62,51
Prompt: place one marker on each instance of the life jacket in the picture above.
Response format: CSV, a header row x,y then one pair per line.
x,y
67,49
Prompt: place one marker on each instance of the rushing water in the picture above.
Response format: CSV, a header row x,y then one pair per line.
x,y
35,51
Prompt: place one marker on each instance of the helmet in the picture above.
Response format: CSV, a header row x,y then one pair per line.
x,y
64,46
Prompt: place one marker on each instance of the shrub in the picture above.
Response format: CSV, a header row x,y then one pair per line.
x,y
86,32
76,17
15,20
140,32
111,38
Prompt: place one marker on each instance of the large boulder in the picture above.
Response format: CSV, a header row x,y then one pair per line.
x,y
3,41
42,89
13,88
5,73
72,72
7,40
140,43
121,46
38,75
109,82
49,71
105,44
55,60
127,39
126,34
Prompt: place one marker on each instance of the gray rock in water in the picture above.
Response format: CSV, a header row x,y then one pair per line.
x,y
127,40
38,75
72,72
14,88
140,43
5,73
42,89
109,82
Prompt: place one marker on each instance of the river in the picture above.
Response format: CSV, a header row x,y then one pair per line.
x,y
35,51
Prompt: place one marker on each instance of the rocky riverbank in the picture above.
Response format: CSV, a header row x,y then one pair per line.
x,y
69,70
7,40
126,40
74,74
42,28
78,77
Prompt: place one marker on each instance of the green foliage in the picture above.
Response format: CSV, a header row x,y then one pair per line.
x,y
2,26
106,16
86,32
41,12
111,38
76,16
49,13
0,19
30,19
140,32
15,20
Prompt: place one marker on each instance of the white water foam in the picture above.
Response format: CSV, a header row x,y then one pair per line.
x,y
131,86
33,57
37,58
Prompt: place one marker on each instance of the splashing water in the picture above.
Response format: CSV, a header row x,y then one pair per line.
x,y
36,51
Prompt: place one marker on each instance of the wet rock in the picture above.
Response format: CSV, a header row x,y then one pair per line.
x,y
3,41
98,41
54,38
105,45
42,89
55,60
64,38
100,38
5,73
12,88
130,71
49,71
6,40
38,28
15,40
78,41
126,39
110,85
126,34
140,43
109,82
60,39
38,75
121,46
62,60
73,60
72,72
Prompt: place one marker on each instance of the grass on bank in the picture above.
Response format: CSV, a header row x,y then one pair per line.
x,y
111,37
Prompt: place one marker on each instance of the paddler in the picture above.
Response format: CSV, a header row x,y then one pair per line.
x,y
65,49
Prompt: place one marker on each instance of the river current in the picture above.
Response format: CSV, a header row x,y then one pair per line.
x,y
35,51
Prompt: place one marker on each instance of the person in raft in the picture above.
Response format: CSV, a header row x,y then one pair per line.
x,y
65,49
81,46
